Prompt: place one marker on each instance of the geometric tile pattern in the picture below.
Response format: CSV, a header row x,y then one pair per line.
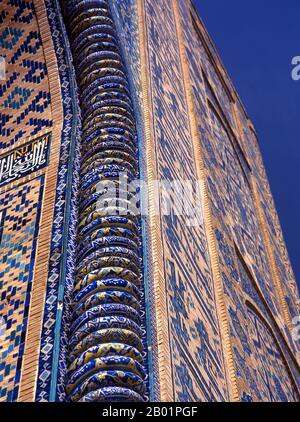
x,y
24,96
20,211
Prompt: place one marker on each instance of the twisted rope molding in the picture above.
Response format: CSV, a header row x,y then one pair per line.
x,y
106,360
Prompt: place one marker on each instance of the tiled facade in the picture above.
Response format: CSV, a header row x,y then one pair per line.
x,y
213,318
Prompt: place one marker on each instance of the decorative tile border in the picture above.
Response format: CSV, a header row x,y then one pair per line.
x,y
40,382
51,379
20,223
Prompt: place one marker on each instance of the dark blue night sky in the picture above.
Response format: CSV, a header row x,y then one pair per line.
x,y
257,40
